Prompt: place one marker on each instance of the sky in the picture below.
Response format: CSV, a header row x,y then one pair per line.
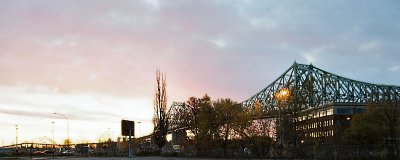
x,y
94,61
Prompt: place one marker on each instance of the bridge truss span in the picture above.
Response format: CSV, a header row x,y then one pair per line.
x,y
315,87
179,115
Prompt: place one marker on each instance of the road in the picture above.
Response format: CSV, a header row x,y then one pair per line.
x,y
105,158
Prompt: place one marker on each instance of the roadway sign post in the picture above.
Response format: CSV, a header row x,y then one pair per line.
x,y
128,129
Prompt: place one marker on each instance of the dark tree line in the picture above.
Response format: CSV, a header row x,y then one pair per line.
x,y
223,128
379,126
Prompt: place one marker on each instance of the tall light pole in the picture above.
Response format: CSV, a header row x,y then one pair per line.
x,y
68,140
52,132
109,134
139,136
281,96
66,118
16,136
52,136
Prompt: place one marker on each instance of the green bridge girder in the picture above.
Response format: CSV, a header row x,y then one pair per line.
x,y
178,116
320,87
315,86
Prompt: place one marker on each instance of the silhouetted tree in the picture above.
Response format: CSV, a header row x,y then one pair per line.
x,y
363,131
207,128
258,135
381,124
224,124
388,119
199,118
160,111
227,119
67,141
292,101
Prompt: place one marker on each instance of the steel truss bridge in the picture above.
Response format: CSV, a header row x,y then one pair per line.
x,y
315,87
312,86
175,113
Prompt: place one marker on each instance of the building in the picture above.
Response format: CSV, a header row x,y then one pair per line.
x,y
326,125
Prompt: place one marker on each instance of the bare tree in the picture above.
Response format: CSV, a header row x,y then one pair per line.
x,y
160,110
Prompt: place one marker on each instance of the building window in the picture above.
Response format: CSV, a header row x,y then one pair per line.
x,y
343,111
329,112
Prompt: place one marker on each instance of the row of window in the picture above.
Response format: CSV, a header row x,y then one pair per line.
x,y
316,114
314,125
320,134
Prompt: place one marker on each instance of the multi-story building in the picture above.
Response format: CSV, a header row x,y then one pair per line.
x,y
326,125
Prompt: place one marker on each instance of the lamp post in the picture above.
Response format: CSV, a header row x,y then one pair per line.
x,y
281,95
52,136
68,140
109,134
16,136
139,135
66,118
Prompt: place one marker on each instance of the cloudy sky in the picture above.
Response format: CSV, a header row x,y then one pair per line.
x,y
95,60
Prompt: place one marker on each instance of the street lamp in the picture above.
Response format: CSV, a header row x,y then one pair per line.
x,y
281,95
68,140
66,118
16,136
138,135
109,134
52,136
52,131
